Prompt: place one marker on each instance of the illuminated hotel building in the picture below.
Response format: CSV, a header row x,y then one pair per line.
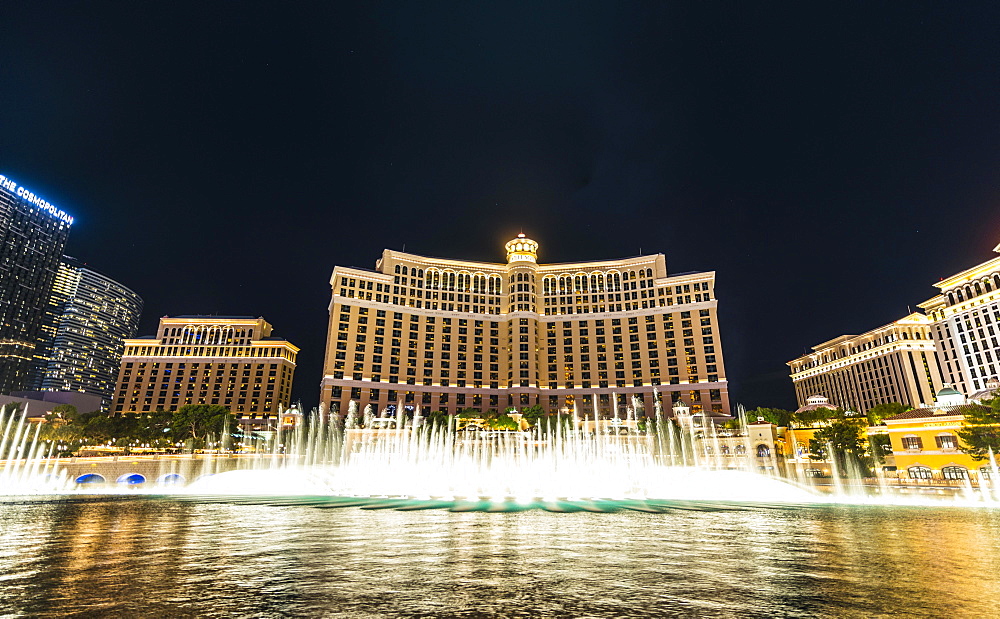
x,y
33,234
448,334
893,363
88,318
966,317
229,360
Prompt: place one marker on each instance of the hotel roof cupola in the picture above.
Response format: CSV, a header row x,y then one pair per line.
x,y
522,292
522,249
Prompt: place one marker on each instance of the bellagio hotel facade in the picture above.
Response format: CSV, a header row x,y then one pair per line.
x,y
449,335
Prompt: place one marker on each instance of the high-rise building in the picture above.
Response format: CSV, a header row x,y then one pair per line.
x,y
893,363
234,361
449,334
87,321
33,234
966,317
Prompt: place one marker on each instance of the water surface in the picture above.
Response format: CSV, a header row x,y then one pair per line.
x,y
146,557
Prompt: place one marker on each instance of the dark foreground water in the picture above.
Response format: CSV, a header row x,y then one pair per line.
x,y
156,558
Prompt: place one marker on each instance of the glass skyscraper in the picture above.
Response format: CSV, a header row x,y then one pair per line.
x,y
87,321
33,235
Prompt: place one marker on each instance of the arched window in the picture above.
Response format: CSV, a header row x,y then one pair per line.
x,y
958,295
951,299
405,270
919,472
740,450
597,282
954,472
614,279
763,451
724,450
996,281
968,292
397,268
987,286
979,289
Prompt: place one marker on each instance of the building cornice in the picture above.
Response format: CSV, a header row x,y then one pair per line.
x,y
970,275
871,353
632,261
915,319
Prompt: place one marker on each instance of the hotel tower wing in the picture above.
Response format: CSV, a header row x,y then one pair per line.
x,y
449,335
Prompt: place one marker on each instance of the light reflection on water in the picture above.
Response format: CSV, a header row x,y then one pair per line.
x,y
164,558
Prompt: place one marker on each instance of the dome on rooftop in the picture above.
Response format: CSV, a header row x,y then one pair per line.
x,y
521,249
991,386
949,396
814,402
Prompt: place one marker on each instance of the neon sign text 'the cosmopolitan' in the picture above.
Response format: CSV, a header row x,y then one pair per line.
x,y
27,196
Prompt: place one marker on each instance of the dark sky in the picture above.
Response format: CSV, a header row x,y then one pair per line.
x,y
830,161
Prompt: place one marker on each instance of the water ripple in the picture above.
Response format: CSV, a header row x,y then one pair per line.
x,y
139,558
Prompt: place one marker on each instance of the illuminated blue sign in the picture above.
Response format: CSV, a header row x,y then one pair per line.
x,y
27,196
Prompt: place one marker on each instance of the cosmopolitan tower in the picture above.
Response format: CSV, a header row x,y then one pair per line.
x,y
448,334
33,234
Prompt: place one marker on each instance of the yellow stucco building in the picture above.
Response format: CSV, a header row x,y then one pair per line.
x,y
926,445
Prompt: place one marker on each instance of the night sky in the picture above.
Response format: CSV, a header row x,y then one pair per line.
x,y
830,162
